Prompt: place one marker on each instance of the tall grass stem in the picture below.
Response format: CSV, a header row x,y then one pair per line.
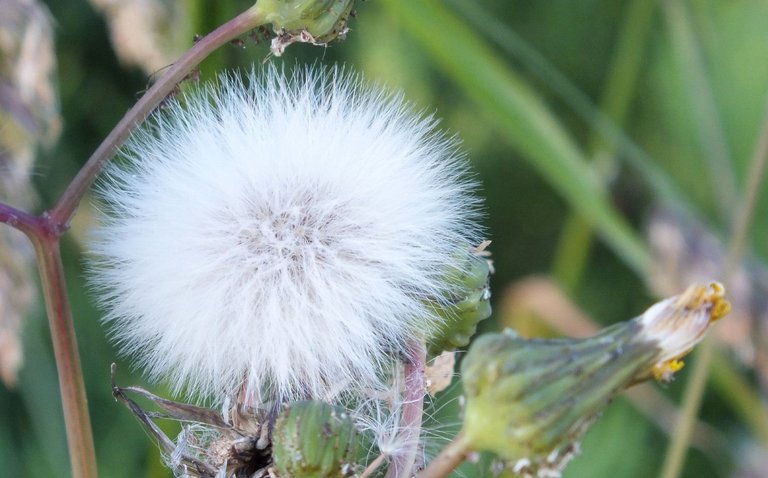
x,y
676,452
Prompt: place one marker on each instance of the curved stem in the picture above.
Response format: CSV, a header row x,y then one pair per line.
x,y
65,207
73,398
413,410
449,458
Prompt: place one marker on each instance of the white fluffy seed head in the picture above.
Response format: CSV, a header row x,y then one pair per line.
x,y
277,237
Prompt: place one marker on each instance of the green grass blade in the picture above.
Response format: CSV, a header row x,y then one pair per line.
x,y
701,99
521,117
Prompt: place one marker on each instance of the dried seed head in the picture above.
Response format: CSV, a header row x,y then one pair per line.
x,y
282,239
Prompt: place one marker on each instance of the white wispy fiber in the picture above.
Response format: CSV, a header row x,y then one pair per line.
x,y
278,236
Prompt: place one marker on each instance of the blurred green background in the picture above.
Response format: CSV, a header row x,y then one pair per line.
x,y
581,119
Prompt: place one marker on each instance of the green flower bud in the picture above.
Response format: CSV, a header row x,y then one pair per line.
x,y
469,304
529,401
314,439
309,21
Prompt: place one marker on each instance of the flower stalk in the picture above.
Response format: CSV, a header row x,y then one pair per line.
x,y
449,458
65,208
413,410
30,225
72,388
73,398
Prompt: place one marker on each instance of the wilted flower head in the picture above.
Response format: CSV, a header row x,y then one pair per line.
x,y
281,237
531,400
678,323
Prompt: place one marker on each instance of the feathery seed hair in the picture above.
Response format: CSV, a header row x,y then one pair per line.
x,y
279,236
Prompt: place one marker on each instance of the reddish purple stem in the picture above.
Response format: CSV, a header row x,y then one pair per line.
x,y
30,225
413,410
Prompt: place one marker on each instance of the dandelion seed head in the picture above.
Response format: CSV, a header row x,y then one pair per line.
x,y
278,236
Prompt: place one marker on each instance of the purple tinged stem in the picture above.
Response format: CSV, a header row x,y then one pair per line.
x,y
65,208
413,410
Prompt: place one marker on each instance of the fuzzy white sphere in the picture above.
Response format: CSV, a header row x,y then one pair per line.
x,y
279,236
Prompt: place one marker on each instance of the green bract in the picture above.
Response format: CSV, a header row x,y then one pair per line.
x,y
313,439
469,304
530,400
311,21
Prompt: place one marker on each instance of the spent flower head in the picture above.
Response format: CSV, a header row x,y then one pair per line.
x,y
529,401
282,237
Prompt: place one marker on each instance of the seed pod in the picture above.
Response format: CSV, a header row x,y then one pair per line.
x,y
314,439
468,305
309,21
